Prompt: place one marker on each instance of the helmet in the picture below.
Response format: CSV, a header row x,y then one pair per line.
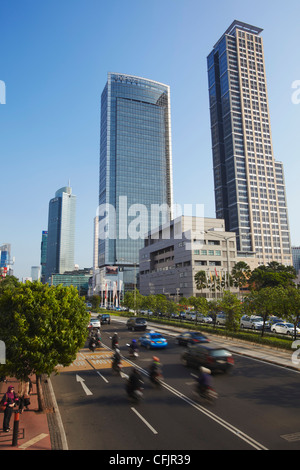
x,y
155,359
134,341
204,370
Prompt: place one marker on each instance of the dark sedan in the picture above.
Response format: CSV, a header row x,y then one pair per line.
x,y
136,323
213,357
104,318
191,337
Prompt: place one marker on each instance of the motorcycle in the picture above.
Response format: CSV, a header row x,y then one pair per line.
x,y
116,366
114,342
156,378
205,393
135,392
94,343
116,363
132,352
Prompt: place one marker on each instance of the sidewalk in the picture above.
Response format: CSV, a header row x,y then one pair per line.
x,y
33,425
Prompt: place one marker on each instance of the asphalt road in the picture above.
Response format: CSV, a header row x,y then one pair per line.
x,y
257,408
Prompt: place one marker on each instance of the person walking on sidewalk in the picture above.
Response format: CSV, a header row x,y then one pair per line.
x,y
9,400
24,391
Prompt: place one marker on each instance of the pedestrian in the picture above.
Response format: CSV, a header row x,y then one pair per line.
x,y
24,391
9,400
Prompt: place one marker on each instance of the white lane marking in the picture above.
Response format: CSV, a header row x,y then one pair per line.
x,y
240,434
85,388
144,421
32,441
102,377
237,432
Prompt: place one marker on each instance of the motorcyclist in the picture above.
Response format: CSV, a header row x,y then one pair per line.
x,y
204,380
114,340
116,358
134,382
95,335
94,339
133,347
155,369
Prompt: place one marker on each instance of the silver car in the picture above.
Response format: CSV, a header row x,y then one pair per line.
x,y
255,323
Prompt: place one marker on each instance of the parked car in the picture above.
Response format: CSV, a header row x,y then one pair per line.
x,y
273,320
221,319
136,323
153,340
94,323
146,312
253,322
175,314
191,337
204,318
104,318
213,357
285,329
190,316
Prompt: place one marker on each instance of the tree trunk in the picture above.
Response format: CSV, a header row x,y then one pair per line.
x,y
41,401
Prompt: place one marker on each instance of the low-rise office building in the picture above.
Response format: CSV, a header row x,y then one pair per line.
x,y
174,253
80,278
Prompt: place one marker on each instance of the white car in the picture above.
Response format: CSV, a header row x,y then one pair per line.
x,y
285,329
94,323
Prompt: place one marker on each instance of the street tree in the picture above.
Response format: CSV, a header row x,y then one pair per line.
x,y
288,305
263,302
200,304
42,326
133,300
8,282
232,308
272,275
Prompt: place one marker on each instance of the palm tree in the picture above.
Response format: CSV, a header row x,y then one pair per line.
x,y
200,280
241,273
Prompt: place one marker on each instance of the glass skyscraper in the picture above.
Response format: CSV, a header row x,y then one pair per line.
x,y
249,182
5,260
43,254
61,233
135,166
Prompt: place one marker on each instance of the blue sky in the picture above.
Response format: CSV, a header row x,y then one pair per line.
x,y
55,56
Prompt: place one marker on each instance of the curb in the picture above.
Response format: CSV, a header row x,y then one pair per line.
x,y
55,424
